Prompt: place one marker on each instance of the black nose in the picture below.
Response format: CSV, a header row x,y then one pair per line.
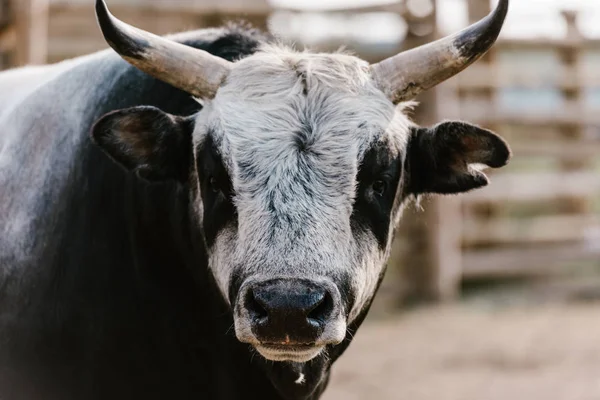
x,y
288,310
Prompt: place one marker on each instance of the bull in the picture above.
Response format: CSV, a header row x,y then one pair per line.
x,y
223,229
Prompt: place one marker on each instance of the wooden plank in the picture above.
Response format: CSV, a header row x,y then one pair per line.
x,y
198,7
527,231
571,57
558,149
482,78
446,245
536,187
8,38
545,43
32,31
63,48
503,263
81,24
354,8
5,13
566,115
74,32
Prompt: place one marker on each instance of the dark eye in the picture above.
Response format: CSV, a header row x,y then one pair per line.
x,y
214,185
379,187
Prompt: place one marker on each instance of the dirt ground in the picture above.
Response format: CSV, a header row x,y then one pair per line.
x,y
471,351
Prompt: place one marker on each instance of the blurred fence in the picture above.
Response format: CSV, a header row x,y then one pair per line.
x,y
23,32
40,31
539,214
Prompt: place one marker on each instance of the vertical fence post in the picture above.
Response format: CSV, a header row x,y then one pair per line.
x,y
572,96
486,95
4,13
31,19
431,259
7,34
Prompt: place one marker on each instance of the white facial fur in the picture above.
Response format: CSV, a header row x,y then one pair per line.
x,y
292,128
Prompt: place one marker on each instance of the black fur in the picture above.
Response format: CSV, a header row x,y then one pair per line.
x,y
372,209
153,144
438,158
216,190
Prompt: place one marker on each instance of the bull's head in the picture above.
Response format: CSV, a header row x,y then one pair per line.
x,y
299,165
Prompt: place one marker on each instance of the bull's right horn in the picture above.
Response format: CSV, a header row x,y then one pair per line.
x,y
192,70
405,75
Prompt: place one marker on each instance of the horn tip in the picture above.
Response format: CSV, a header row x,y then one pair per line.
x,y
102,12
477,39
104,18
117,34
499,13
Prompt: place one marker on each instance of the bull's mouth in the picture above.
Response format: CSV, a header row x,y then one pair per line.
x,y
289,352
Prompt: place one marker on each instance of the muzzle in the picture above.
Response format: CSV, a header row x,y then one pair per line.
x,y
289,318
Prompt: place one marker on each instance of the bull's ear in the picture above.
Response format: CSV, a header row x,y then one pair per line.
x,y
445,158
153,144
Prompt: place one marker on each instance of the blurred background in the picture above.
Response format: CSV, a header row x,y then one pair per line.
x,y
490,295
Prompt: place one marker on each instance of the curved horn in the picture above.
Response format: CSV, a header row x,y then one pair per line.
x,y
192,70
405,75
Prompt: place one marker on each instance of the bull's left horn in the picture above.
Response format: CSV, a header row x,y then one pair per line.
x,y
192,70
405,75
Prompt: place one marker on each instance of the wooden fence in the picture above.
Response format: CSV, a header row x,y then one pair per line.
x,y
23,32
7,34
46,31
542,212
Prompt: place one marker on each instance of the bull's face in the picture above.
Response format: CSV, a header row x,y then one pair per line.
x,y
299,158
299,165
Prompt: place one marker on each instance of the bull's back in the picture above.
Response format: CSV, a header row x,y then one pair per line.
x,y
16,84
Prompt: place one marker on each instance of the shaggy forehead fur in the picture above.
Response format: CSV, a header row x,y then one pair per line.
x,y
281,97
292,128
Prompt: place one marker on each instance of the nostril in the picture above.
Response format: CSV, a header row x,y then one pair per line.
x,y
256,310
322,309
